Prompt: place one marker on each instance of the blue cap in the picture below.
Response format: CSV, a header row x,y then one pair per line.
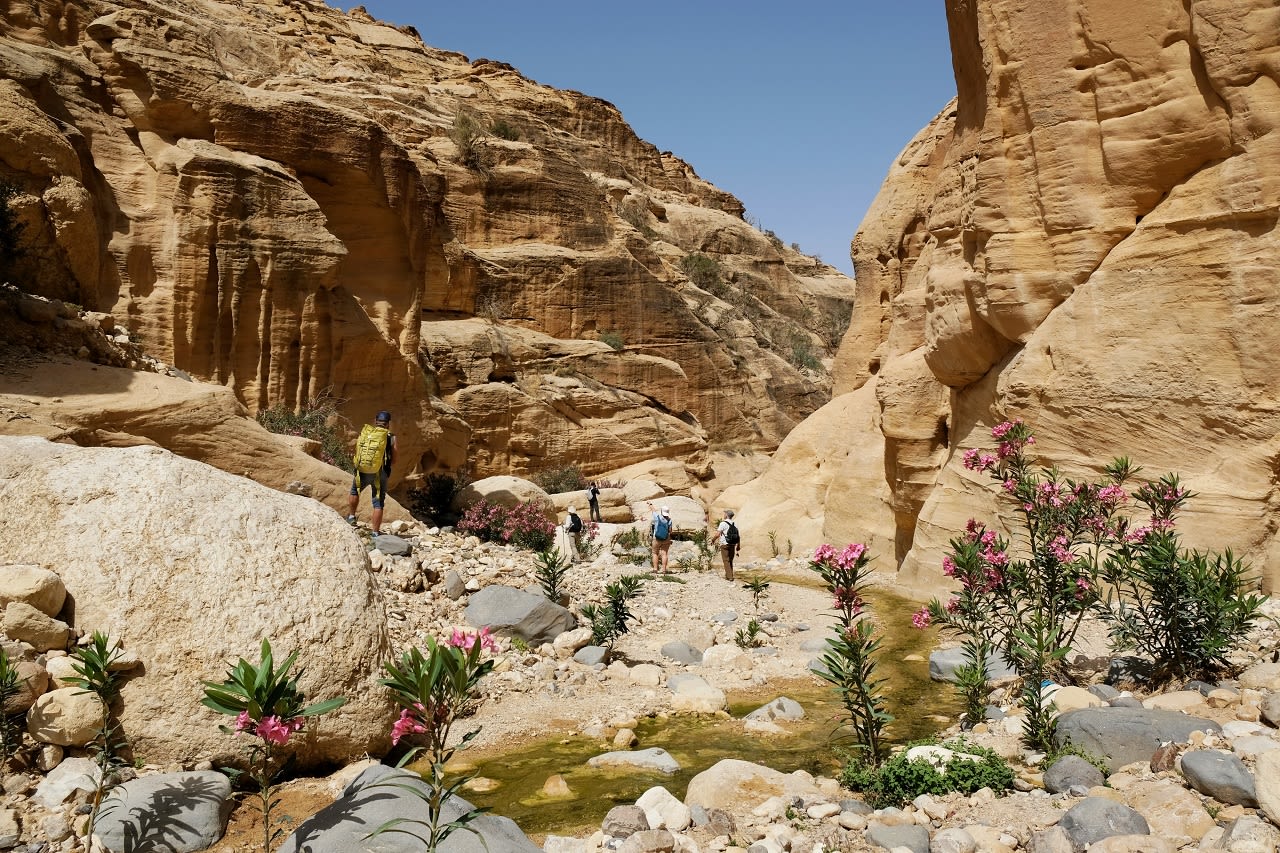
x,y
384,417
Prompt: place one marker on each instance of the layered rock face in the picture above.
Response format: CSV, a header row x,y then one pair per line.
x,y
289,200
1085,239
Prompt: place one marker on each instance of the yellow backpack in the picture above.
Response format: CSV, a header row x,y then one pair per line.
x,y
371,449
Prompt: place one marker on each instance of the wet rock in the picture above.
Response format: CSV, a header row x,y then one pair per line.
x,y
654,758
781,708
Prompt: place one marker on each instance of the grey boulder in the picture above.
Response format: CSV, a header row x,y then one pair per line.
x,y
165,813
1220,775
378,796
1127,735
516,613
1096,818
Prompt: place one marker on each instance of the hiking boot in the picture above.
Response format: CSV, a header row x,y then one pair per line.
x,y
351,519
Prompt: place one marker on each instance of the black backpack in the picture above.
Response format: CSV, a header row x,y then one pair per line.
x,y
575,523
731,535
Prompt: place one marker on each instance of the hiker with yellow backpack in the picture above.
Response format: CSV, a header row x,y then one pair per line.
x,y
375,451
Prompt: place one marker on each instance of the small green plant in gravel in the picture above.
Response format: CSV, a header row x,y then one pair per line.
x,y
93,667
749,637
965,769
758,586
551,568
10,724
609,620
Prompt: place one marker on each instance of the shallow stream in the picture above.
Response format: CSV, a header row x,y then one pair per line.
x,y
516,777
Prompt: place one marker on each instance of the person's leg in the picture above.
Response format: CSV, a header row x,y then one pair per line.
x,y
353,500
379,498
654,548
726,557
665,551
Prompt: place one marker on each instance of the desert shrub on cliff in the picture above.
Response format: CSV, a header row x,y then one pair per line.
x,y
704,272
556,481
468,135
319,420
10,228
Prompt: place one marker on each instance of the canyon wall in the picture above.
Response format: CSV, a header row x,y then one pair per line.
x,y
1086,239
296,202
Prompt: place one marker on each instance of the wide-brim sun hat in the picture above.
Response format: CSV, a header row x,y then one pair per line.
x,y
666,511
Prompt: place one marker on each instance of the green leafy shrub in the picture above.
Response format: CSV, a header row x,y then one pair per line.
x,y
802,354
758,586
319,420
434,498
10,724
609,621
899,781
1186,610
555,481
613,339
704,272
636,214
551,569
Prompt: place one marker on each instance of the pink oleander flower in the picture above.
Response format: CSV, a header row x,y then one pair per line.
x,y
988,537
1010,485
274,730
1138,534
948,567
1060,548
1112,495
921,618
848,558
995,557
823,553
953,604
465,640
243,721
407,724
1002,429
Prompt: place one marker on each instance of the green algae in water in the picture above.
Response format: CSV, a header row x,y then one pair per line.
x,y
920,707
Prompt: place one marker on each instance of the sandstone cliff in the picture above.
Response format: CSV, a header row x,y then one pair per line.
x,y
1085,239
288,200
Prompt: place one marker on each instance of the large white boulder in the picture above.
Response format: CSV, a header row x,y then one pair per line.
x,y
191,567
34,585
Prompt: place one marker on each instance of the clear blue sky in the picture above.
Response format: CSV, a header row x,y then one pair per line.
x,y
797,108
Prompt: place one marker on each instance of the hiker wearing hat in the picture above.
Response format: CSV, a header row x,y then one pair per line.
x,y
375,451
573,527
660,532
730,542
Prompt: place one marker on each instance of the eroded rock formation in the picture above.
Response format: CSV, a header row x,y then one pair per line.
x,y
1086,238
289,200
